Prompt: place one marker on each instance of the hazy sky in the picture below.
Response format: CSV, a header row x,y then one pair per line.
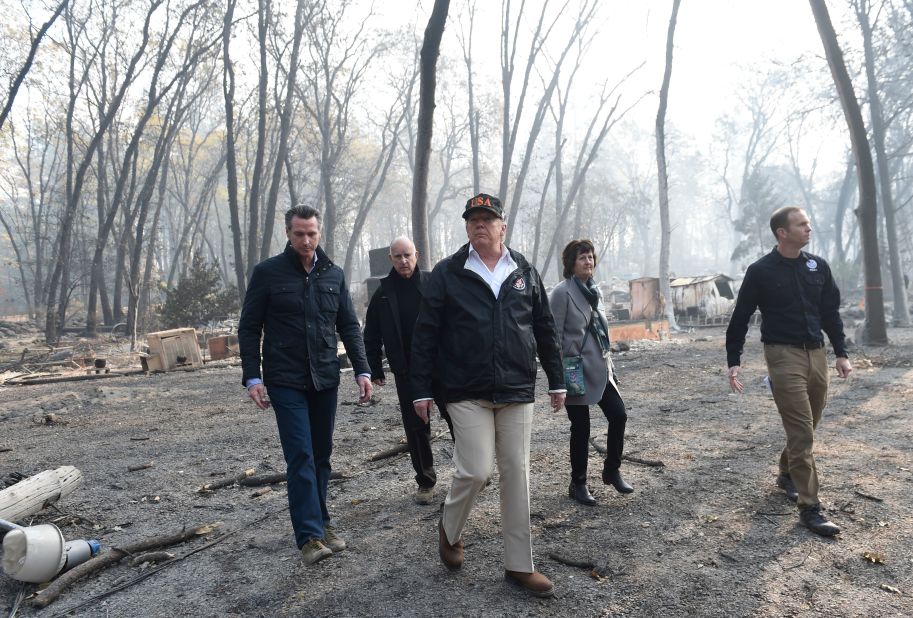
x,y
717,44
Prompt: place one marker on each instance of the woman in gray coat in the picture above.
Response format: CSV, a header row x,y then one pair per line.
x,y
583,329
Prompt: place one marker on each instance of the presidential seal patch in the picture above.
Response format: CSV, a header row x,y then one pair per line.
x,y
812,265
519,284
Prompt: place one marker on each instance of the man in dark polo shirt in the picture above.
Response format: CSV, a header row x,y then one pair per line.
x,y
388,329
798,299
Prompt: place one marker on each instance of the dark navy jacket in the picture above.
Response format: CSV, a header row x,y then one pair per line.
x,y
298,316
797,298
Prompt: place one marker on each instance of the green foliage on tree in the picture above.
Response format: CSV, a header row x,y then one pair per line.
x,y
199,297
759,200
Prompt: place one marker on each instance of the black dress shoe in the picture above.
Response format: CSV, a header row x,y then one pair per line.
x,y
613,478
580,493
785,483
812,519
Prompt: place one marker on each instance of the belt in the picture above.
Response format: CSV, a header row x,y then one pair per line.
x,y
808,345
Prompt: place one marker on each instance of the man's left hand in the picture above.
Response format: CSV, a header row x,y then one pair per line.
x,y
364,389
844,367
557,400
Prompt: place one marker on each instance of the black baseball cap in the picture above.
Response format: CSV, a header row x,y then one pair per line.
x,y
483,201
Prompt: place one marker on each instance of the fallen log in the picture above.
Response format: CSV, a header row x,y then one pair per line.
x,y
45,597
226,482
390,452
263,479
34,493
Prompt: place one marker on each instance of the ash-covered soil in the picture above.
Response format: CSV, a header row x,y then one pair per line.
x,y
707,534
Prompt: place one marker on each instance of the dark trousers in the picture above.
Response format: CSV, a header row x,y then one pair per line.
x,y
305,419
614,409
418,434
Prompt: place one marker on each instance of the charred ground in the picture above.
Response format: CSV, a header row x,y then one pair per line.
x,y
707,534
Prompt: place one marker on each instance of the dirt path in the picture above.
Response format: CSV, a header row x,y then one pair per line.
x,y
708,534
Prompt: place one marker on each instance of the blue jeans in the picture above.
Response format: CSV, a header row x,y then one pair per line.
x,y
305,419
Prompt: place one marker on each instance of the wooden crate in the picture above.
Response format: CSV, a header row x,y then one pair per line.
x,y
172,349
223,346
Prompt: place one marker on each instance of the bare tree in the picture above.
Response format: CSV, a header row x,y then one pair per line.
x,y
473,113
876,115
76,172
600,125
285,123
27,65
430,50
228,92
874,330
663,176
511,127
264,10
338,63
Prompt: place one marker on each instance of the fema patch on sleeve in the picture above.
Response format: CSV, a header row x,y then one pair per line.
x,y
519,283
812,265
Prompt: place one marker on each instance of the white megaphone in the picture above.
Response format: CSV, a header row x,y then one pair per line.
x,y
35,554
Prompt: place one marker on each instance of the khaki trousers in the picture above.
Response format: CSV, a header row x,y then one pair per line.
x,y
799,380
484,430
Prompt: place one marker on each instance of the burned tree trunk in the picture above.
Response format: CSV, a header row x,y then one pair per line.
x,y
431,48
665,289
874,330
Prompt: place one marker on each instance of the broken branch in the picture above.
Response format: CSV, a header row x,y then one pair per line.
x,y
161,566
264,479
227,481
47,596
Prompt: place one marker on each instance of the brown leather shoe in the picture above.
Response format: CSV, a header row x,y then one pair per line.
x,y
451,555
535,583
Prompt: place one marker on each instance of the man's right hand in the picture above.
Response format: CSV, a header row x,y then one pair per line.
x,y
379,381
734,382
423,409
257,392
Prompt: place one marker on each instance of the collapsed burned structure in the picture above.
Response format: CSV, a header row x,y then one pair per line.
x,y
705,299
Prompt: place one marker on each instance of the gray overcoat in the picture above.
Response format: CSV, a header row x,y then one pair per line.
x,y
572,314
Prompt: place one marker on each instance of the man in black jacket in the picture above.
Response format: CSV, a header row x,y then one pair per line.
x,y
484,317
298,301
388,327
798,299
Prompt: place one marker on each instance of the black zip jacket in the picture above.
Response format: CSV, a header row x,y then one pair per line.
x,y
797,298
480,347
298,315
383,331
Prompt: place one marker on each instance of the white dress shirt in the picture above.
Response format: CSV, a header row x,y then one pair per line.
x,y
494,278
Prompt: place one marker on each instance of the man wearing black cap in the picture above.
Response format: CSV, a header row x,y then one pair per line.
x,y
484,317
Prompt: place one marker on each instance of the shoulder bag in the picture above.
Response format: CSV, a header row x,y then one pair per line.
x,y
573,367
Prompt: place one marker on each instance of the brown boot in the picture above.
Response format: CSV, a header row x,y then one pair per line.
x,y
451,555
535,583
